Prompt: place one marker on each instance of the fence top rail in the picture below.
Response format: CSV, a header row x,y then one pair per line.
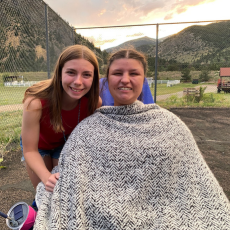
x,y
154,24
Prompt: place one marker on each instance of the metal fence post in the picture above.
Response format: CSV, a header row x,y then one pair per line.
x,y
73,37
47,42
156,60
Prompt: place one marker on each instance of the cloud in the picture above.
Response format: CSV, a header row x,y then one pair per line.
x,y
151,6
181,10
99,41
183,5
87,13
180,6
135,35
102,12
168,16
92,13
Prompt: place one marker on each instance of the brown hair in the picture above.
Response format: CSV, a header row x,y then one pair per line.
x,y
52,90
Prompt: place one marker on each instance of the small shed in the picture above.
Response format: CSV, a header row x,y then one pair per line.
x,y
222,85
224,72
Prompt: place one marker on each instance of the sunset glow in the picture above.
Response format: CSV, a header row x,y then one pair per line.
x,y
81,14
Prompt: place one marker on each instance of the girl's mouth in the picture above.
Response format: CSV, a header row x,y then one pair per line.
x,y
76,90
124,88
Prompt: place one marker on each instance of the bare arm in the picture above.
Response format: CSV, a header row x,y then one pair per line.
x,y
30,138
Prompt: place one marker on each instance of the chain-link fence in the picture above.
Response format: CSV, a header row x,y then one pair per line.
x,y
184,59
183,64
32,36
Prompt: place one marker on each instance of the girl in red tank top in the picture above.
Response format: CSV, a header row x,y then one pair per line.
x,y
52,109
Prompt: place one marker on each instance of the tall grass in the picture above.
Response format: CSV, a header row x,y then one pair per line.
x,y
10,126
209,100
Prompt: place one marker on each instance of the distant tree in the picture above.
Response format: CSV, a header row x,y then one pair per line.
x,y
173,67
185,75
205,75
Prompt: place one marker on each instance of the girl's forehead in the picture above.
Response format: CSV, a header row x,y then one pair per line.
x,y
122,61
78,62
126,63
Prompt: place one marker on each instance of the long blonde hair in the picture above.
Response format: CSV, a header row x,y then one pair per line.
x,y
51,90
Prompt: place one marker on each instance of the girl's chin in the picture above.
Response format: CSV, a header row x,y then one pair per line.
x,y
74,97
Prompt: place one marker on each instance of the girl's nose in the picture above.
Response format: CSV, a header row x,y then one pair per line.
x,y
78,80
125,77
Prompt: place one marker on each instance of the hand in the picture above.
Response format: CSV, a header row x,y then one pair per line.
x,y
51,182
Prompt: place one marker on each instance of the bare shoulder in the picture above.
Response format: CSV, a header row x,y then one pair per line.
x,y
32,103
32,112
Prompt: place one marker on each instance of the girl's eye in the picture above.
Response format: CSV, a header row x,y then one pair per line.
x,y
70,72
87,75
117,74
134,74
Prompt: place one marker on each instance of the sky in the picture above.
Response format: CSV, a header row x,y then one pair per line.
x,y
102,13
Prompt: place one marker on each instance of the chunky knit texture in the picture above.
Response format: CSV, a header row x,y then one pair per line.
x,y
133,167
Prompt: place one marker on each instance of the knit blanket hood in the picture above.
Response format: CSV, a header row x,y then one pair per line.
x,y
132,167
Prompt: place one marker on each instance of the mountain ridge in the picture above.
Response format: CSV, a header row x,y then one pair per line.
x,y
135,43
197,44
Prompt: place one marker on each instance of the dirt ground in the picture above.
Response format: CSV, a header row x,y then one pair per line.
x,y
209,126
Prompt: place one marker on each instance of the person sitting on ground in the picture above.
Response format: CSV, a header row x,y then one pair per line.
x,y
132,166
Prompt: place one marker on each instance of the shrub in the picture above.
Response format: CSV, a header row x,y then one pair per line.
x,y
185,75
201,96
173,99
204,75
4,77
195,98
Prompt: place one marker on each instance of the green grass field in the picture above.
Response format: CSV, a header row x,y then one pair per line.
x,y
10,126
27,76
162,89
11,95
14,95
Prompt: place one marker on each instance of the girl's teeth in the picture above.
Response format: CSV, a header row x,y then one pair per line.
x,y
76,90
125,88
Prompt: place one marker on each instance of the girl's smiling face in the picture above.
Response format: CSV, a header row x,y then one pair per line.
x,y
77,79
125,79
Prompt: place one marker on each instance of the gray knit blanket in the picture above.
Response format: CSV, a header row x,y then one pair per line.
x,y
133,167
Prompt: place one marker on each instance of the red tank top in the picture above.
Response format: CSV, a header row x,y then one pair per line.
x,y
48,138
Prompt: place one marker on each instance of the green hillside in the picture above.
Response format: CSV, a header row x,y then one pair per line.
x,y
23,37
198,45
139,42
